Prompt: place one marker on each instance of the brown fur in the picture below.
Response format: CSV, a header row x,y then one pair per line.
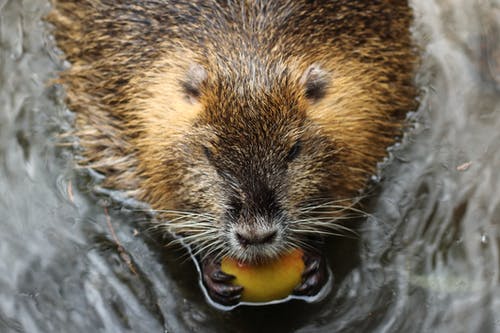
x,y
139,127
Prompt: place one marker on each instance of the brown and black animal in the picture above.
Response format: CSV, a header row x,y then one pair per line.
x,y
248,126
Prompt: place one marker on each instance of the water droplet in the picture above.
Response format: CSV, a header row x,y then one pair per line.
x,y
484,239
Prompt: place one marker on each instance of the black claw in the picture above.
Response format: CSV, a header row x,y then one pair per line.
x,y
226,290
233,300
311,267
220,276
301,289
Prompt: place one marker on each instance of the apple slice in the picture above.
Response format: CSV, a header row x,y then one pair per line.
x,y
267,281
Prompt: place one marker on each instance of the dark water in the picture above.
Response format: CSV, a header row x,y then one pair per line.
x,y
428,259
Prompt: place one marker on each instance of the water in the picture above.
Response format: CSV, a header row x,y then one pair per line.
x,y
428,259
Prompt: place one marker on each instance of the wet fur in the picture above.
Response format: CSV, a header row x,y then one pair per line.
x,y
139,124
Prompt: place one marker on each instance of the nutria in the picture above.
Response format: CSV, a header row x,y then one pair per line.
x,y
248,126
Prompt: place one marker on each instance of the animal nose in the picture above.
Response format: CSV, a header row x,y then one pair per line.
x,y
246,238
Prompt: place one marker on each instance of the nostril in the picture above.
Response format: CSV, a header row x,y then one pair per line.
x,y
269,237
241,239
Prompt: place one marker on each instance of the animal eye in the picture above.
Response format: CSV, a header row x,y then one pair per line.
x,y
294,151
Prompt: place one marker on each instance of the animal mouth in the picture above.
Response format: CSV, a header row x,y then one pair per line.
x,y
258,254
253,245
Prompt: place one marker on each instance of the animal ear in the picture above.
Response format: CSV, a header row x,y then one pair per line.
x,y
193,82
315,81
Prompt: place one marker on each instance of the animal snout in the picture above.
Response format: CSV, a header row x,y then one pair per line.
x,y
255,237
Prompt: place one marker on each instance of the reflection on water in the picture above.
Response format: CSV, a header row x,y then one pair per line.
x,y
428,258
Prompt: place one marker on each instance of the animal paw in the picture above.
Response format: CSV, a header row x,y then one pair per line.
x,y
314,276
218,283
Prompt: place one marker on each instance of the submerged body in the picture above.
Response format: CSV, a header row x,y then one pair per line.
x,y
248,126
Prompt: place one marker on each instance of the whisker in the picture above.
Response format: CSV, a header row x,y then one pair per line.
x,y
195,237
336,209
315,219
320,203
216,248
186,223
183,213
322,200
222,252
298,243
185,227
323,225
322,232
317,204
203,248
200,235
323,222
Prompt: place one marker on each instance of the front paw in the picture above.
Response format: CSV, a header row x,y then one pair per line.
x,y
218,283
315,275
